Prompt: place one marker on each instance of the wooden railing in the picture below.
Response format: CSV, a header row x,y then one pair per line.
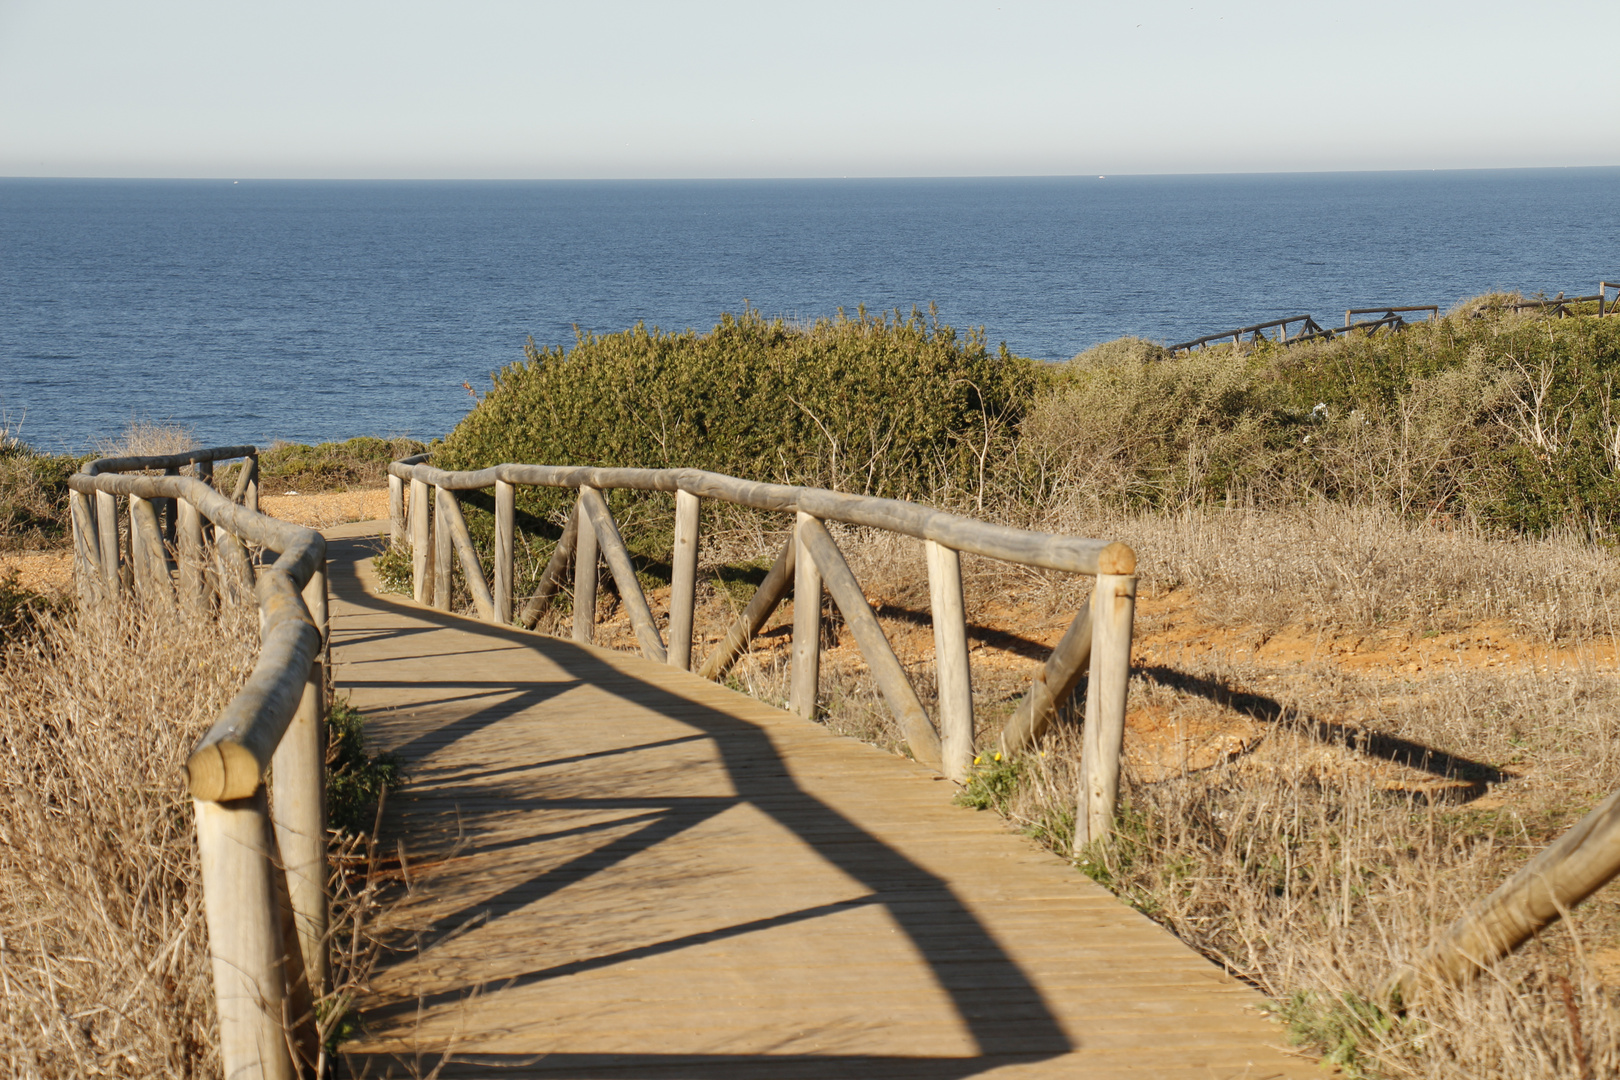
x,y
436,532
1310,328
1391,319
189,544
1578,864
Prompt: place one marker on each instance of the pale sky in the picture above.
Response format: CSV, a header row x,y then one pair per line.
x,y
481,88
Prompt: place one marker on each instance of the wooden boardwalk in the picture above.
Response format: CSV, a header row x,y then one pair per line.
x,y
626,871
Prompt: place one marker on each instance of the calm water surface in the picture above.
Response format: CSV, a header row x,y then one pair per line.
x,y
260,310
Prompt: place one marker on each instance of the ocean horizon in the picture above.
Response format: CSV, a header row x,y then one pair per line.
x,y
257,310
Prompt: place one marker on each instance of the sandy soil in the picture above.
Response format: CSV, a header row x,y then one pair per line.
x,y
47,570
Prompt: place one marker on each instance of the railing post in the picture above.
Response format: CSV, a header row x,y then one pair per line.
x,y
806,670
107,536
299,811
442,553
421,543
244,936
86,561
147,555
1113,607
953,677
505,541
189,556
250,498
683,579
584,575
170,511
396,511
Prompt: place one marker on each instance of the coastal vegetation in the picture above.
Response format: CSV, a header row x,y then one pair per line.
x,y
102,941
1404,540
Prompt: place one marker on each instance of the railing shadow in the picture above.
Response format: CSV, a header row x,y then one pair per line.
x,y
1011,1023
1476,775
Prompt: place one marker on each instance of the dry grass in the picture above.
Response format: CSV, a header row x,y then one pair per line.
x,y
104,965
105,961
1304,802
144,438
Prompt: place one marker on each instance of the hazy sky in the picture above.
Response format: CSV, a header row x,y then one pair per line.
x,y
705,88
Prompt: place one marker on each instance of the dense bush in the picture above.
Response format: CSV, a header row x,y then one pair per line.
x,y
1508,420
884,405
33,495
331,466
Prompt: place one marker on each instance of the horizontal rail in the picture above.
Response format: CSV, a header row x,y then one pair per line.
x,y
1255,329
809,563
1045,550
1432,309
230,760
167,461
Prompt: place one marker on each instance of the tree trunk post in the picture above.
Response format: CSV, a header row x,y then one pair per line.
x,y
953,676
683,579
806,669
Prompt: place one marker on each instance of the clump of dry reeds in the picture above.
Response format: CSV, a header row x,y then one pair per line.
x,y
144,437
104,966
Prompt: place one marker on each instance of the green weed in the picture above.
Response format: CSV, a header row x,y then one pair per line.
x,y
355,780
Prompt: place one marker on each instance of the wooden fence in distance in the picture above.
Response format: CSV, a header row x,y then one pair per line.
x,y
1100,635
1391,319
187,543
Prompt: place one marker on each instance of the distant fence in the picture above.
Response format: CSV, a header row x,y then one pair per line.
x,y
1392,318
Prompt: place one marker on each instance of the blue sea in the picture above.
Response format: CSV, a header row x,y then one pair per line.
x,y
259,310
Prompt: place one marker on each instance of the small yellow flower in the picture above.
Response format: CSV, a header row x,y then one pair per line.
x,y
977,758
998,755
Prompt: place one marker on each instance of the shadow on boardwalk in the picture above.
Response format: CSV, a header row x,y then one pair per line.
x,y
497,726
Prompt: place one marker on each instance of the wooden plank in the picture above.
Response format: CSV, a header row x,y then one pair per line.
x,y
665,878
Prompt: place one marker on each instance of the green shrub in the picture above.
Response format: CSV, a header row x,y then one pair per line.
x,y
1508,420
392,565
33,495
887,406
355,780
329,466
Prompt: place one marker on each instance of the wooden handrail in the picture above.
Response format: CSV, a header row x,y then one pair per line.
x,y
1310,325
1391,319
1432,309
1578,864
808,563
251,857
